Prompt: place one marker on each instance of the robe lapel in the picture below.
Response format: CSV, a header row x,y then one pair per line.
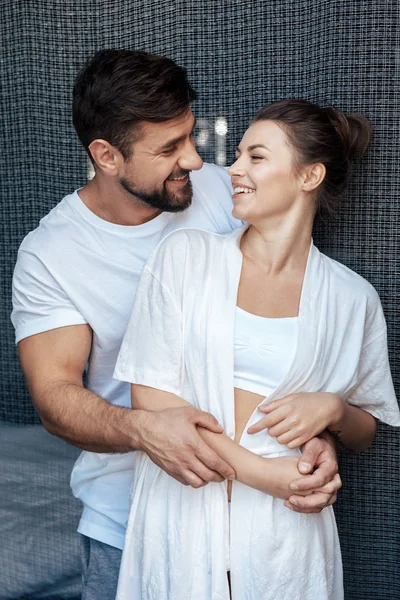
x,y
223,313
312,330
306,372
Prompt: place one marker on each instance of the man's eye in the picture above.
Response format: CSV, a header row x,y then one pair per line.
x,y
169,151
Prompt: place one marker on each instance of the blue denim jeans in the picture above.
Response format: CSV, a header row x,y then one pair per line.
x,y
100,569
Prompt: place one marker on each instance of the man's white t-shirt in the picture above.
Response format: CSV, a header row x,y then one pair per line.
x,y
76,268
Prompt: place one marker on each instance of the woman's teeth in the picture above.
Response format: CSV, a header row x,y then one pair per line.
x,y
242,190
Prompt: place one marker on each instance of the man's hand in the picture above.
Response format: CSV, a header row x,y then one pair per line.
x,y
319,462
279,472
171,440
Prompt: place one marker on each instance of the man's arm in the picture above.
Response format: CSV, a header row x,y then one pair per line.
x,y
53,363
272,476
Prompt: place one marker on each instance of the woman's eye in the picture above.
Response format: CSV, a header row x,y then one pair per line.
x,y
257,157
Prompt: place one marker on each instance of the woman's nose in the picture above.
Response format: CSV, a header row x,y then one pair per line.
x,y
236,169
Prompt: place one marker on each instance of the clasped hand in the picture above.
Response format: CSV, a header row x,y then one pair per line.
x,y
296,418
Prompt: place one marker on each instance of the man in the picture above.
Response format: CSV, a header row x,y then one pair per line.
x,y
74,285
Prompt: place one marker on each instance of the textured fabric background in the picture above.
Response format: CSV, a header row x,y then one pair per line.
x,y
39,550
239,55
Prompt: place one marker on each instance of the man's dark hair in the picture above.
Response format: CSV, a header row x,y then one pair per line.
x,y
118,89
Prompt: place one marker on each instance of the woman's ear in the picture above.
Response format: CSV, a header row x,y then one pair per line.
x,y
107,158
313,176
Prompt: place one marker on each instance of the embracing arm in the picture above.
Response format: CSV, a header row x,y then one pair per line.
x,y
53,363
272,476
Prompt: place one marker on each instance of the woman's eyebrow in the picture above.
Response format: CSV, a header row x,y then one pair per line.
x,y
254,146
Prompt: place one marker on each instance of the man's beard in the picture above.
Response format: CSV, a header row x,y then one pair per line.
x,y
163,200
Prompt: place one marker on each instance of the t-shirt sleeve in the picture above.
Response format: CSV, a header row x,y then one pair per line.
x,y
39,302
213,185
373,390
225,197
151,353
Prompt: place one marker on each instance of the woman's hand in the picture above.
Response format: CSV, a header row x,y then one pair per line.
x,y
297,418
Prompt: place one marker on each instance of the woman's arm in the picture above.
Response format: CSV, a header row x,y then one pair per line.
x,y
297,418
353,428
271,476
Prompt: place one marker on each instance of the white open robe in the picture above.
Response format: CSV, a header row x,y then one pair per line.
x,y
180,339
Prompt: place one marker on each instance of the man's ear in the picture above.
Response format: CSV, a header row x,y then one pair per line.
x,y
108,159
313,176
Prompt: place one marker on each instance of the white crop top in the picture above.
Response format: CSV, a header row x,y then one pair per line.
x,y
264,349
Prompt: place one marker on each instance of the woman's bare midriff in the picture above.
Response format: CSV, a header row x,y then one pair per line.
x,y
245,404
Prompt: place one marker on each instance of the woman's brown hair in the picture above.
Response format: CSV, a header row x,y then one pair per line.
x,y
321,135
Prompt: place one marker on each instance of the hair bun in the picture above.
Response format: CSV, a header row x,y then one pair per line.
x,y
354,131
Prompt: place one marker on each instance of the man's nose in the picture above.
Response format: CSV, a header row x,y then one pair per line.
x,y
190,160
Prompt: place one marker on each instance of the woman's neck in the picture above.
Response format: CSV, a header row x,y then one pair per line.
x,y
280,246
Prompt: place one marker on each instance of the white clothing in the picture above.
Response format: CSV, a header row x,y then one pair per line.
x,y
180,339
263,351
76,268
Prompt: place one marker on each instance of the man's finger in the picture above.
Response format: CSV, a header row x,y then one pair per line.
x,y
305,511
204,473
317,452
192,479
212,461
332,486
208,421
312,502
326,468
308,459
310,455
311,482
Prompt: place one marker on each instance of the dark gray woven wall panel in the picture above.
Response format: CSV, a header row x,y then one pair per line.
x,y
240,55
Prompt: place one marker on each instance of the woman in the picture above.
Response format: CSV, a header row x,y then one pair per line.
x,y
256,322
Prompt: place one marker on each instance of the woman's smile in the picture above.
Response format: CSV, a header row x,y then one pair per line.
x,y
240,191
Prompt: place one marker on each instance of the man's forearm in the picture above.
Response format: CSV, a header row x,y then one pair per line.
x,y
86,420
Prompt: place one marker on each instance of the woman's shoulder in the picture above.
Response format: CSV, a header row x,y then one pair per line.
x,y
349,281
183,247
192,237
